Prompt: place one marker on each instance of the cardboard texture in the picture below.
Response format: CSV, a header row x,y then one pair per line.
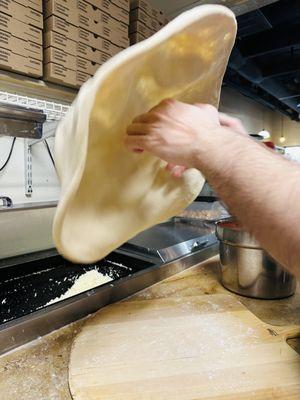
x,y
20,29
35,4
22,13
107,47
116,12
65,9
110,21
119,3
59,74
87,52
81,35
141,28
97,42
107,29
122,3
136,38
145,6
139,15
87,66
82,77
89,38
61,42
17,63
20,46
58,56
61,26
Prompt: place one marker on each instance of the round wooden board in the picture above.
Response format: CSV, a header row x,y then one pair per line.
x,y
196,347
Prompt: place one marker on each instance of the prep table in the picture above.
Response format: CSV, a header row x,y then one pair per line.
x,y
40,370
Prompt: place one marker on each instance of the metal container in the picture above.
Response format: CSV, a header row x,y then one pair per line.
x,y
249,270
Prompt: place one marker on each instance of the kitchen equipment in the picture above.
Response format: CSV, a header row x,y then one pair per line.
x,y
29,281
21,121
249,270
170,240
183,346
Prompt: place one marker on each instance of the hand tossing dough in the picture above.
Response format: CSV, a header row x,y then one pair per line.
x,y
108,194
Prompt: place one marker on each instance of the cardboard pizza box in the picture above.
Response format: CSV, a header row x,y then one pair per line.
x,y
20,64
20,29
20,46
22,13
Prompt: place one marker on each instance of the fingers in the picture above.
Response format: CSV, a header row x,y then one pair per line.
x,y
176,170
204,106
136,143
233,123
137,129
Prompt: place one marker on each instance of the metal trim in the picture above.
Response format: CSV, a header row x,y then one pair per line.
x,y
25,329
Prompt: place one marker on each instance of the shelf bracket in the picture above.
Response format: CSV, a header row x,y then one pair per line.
x,y
28,168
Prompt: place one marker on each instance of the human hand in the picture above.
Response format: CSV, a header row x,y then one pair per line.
x,y
233,123
173,132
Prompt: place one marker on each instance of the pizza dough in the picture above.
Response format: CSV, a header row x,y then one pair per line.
x,y
109,194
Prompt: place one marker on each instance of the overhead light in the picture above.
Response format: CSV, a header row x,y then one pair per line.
x,y
264,134
282,139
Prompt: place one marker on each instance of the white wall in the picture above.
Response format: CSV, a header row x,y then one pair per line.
x,y
45,182
254,116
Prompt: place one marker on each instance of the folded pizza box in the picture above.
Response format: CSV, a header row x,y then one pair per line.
x,y
104,18
107,6
145,6
66,9
136,38
84,11
80,34
92,54
59,41
61,26
17,63
58,56
20,29
98,42
140,27
87,66
116,12
20,46
120,3
22,13
138,14
107,28
36,5
82,77
59,74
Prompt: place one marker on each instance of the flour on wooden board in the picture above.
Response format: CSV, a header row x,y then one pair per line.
x,y
85,282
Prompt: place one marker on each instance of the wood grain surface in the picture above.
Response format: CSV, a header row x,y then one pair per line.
x,y
195,347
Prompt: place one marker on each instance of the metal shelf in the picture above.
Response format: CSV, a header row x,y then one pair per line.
x,y
26,86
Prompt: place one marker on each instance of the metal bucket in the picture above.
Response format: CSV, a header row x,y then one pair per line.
x,y
249,270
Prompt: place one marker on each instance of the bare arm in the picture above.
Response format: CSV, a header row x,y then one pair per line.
x,y
260,187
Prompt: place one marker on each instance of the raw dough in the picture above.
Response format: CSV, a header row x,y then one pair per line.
x,y
108,194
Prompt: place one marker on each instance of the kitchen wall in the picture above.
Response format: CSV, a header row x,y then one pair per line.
x,y
287,128
45,182
254,116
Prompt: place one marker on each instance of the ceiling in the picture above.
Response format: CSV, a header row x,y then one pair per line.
x,y
173,8
265,61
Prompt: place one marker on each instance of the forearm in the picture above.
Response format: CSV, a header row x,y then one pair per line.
x,y
261,189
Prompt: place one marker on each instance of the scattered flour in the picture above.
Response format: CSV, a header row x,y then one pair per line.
x,y
85,282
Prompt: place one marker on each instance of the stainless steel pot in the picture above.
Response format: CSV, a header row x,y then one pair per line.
x,y
249,270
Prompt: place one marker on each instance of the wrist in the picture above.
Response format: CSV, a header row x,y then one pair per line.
x,y
217,148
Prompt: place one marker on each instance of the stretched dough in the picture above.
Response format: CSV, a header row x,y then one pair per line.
x,y
108,194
